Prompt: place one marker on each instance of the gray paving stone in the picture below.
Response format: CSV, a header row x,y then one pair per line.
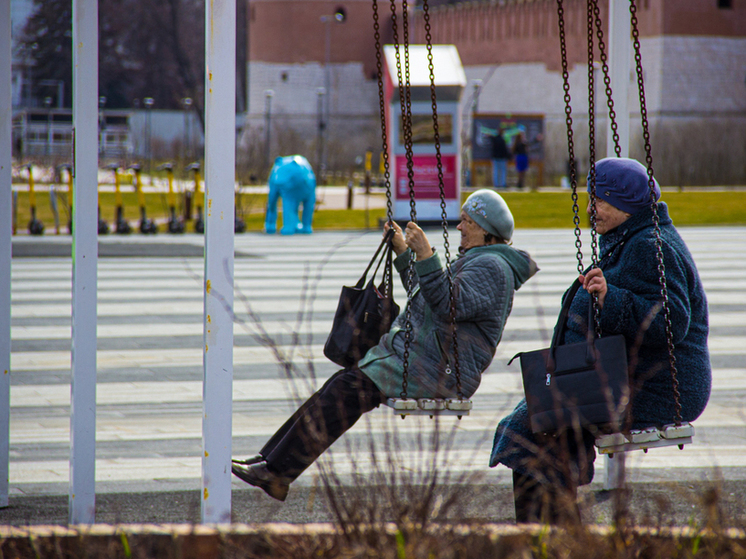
x,y
149,450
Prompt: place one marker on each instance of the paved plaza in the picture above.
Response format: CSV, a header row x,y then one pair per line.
x,y
150,370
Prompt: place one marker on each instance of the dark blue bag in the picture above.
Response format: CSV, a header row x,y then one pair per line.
x,y
576,385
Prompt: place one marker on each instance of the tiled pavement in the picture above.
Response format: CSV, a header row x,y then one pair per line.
x,y
150,359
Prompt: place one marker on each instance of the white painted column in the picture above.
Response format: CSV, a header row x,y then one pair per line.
x,y
82,497
6,230
620,55
220,163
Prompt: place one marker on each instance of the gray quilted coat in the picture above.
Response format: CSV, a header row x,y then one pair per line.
x,y
485,279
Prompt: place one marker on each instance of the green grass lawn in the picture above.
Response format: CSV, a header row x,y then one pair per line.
x,y
530,209
554,209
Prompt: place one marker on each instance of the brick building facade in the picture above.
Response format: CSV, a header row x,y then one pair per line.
x,y
694,58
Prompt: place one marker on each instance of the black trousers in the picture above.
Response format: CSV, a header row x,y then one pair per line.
x,y
320,421
542,503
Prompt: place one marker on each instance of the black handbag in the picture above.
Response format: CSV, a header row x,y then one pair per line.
x,y
365,312
585,383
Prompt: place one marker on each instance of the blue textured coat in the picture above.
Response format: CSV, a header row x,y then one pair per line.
x,y
628,259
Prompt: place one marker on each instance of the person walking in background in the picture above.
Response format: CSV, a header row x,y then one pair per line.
x,y
500,156
520,152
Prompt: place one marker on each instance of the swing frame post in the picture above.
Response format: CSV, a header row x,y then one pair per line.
x,y
6,231
82,494
218,208
620,48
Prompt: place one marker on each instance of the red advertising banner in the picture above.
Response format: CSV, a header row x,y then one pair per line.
x,y
426,185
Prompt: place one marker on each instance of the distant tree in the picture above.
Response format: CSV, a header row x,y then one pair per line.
x,y
47,47
147,48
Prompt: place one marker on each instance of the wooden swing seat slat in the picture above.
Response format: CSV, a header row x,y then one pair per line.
x,y
429,406
643,439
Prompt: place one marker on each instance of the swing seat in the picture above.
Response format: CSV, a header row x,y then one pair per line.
x,y
643,439
429,406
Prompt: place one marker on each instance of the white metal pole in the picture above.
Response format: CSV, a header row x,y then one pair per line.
x,y
327,61
6,230
82,497
620,55
220,174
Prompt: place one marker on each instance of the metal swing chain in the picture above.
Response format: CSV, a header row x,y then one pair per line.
x,y
406,120
570,139
592,162
405,99
384,136
654,207
443,213
382,105
405,103
407,117
408,104
607,79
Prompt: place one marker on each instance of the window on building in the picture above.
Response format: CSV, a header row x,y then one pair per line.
x,y
725,4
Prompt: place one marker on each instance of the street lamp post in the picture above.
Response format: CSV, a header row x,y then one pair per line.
x,y
338,16
101,127
268,94
48,142
149,101
59,85
477,85
320,92
466,156
186,102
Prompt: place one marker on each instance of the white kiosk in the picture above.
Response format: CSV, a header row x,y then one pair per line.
x,y
450,80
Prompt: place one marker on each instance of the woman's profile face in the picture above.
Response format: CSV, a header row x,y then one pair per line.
x,y
607,216
472,235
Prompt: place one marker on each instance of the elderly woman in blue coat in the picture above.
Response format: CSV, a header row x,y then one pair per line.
x,y
548,468
485,276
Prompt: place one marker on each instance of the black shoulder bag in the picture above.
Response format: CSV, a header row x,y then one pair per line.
x,y
365,312
578,384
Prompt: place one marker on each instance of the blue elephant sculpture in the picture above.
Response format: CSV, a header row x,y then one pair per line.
x,y
292,178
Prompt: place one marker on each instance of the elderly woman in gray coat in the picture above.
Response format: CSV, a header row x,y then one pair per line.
x,y
485,276
548,468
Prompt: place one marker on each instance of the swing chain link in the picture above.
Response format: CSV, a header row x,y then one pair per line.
x,y
654,207
384,136
382,106
443,212
592,161
570,139
408,112
607,79
406,123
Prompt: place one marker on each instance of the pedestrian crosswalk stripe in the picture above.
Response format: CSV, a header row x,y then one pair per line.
x,y
161,301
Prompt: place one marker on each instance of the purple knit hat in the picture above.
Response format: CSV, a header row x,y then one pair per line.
x,y
623,183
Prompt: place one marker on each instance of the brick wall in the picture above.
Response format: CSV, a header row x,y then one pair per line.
x,y
694,57
703,74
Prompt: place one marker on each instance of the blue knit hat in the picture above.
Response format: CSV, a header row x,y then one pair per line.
x,y
488,210
623,183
